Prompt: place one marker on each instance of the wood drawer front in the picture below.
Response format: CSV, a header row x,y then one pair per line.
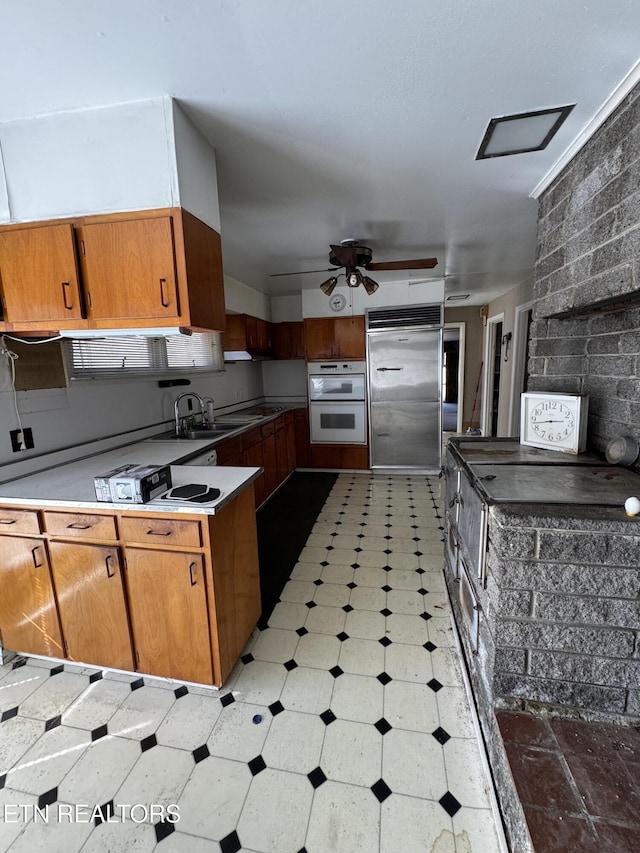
x,y
228,448
250,438
18,521
161,531
81,526
268,429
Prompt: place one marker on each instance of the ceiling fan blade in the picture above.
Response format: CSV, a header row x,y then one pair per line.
x,y
302,272
346,256
416,264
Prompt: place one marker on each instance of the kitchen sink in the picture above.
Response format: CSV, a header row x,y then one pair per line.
x,y
198,433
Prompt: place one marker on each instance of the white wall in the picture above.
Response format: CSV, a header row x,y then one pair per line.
x,y
286,309
195,163
239,298
285,381
316,304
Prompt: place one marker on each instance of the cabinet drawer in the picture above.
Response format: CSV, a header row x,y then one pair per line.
x,y
18,521
80,526
228,448
250,438
268,429
160,531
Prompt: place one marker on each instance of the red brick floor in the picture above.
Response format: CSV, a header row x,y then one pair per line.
x,y
579,782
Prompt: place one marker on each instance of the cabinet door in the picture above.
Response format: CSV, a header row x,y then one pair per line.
x,y
282,460
270,465
253,459
303,446
39,274
349,337
129,269
168,610
297,340
28,617
319,338
291,444
282,340
93,615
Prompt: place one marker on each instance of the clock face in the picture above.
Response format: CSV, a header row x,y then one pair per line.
x,y
554,421
337,302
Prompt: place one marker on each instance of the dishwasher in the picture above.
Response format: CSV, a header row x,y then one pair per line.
x,y
209,457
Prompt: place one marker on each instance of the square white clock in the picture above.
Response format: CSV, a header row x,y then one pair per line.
x,y
554,421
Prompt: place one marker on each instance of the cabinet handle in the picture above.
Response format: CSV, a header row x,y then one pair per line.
x,y
164,304
79,526
388,368
191,575
36,564
7,520
158,533
110,574
65,285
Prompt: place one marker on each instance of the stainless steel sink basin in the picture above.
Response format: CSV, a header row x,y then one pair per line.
x,y
198,433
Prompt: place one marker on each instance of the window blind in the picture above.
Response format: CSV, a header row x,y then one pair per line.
x,y
137,356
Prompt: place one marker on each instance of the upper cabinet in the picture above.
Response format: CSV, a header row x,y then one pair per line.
x,y
288,340
124,270
334,337
248,334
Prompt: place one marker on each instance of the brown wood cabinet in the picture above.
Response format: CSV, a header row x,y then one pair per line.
x,y
334,337
122,270
339,456
168,594
245,333
91,603
168,608
303,446
288,340
28,616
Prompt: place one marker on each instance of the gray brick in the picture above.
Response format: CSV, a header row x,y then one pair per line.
x,y
541,635
630,341
566,365
585,580
514,602
588,610
511,660
512,543
567,328
614,321
566,693
588,670
603,550
633,703
563,346
564,384
612,365
603,344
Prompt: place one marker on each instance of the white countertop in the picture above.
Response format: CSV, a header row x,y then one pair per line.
x,y
72,484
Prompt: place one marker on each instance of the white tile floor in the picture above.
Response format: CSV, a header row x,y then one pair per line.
x,y
345,726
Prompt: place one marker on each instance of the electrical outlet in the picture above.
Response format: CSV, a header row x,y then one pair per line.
x,y
21,437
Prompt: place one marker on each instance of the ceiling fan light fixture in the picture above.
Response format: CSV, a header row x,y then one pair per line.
x,y
370,285
328,286
354,278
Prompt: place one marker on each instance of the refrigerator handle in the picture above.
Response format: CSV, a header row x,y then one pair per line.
x,y
389,368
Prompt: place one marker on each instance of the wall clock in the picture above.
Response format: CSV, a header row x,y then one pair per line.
x,y
554,421
338,302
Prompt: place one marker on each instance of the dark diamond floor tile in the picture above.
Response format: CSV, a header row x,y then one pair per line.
x,y
541,780
317,777
56,670
434,684
420,571
429,646
148,743
18,663
200,753
381,790
257,765
336,672
53,723
98,733
163,829
342,636
3,780
606,790
318,582
526,729
384,678
553,832
383,726
441,735
248,658
328,717
355,565
301,631
352,585
423,591
276,708
386,612
384,641
181,691
47,798
8,714
95,676
290,664
311,604
137,684
387,569
426,616
449,804
347,608
324,563
228,699
386,588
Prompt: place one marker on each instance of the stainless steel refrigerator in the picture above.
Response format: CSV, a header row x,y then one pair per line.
x,y
405,377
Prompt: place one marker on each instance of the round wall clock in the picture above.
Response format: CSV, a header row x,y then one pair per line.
x,y
554,421
338,302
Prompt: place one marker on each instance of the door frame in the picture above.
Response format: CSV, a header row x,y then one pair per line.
x,y
520,356
489,350
461,327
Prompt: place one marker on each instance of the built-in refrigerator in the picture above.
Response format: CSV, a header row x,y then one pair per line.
x,y
404,379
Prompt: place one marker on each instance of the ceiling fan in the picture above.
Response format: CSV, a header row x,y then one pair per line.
x,y
351,255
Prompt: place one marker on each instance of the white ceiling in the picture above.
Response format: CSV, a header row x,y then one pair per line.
x,y
342,118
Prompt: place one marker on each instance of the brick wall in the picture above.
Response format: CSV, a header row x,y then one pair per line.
x,y
585,337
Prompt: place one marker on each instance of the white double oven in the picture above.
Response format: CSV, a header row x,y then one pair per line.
x,y
337,402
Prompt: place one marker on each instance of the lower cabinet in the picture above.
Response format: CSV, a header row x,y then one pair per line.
x,y
28,616
339,456
91,603
168,610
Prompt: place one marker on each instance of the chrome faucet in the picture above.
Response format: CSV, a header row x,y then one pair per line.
x,y
176,408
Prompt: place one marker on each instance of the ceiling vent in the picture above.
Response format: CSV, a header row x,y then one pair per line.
x,y
411,315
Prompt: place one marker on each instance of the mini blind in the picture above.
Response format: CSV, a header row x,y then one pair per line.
x,y
139,356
